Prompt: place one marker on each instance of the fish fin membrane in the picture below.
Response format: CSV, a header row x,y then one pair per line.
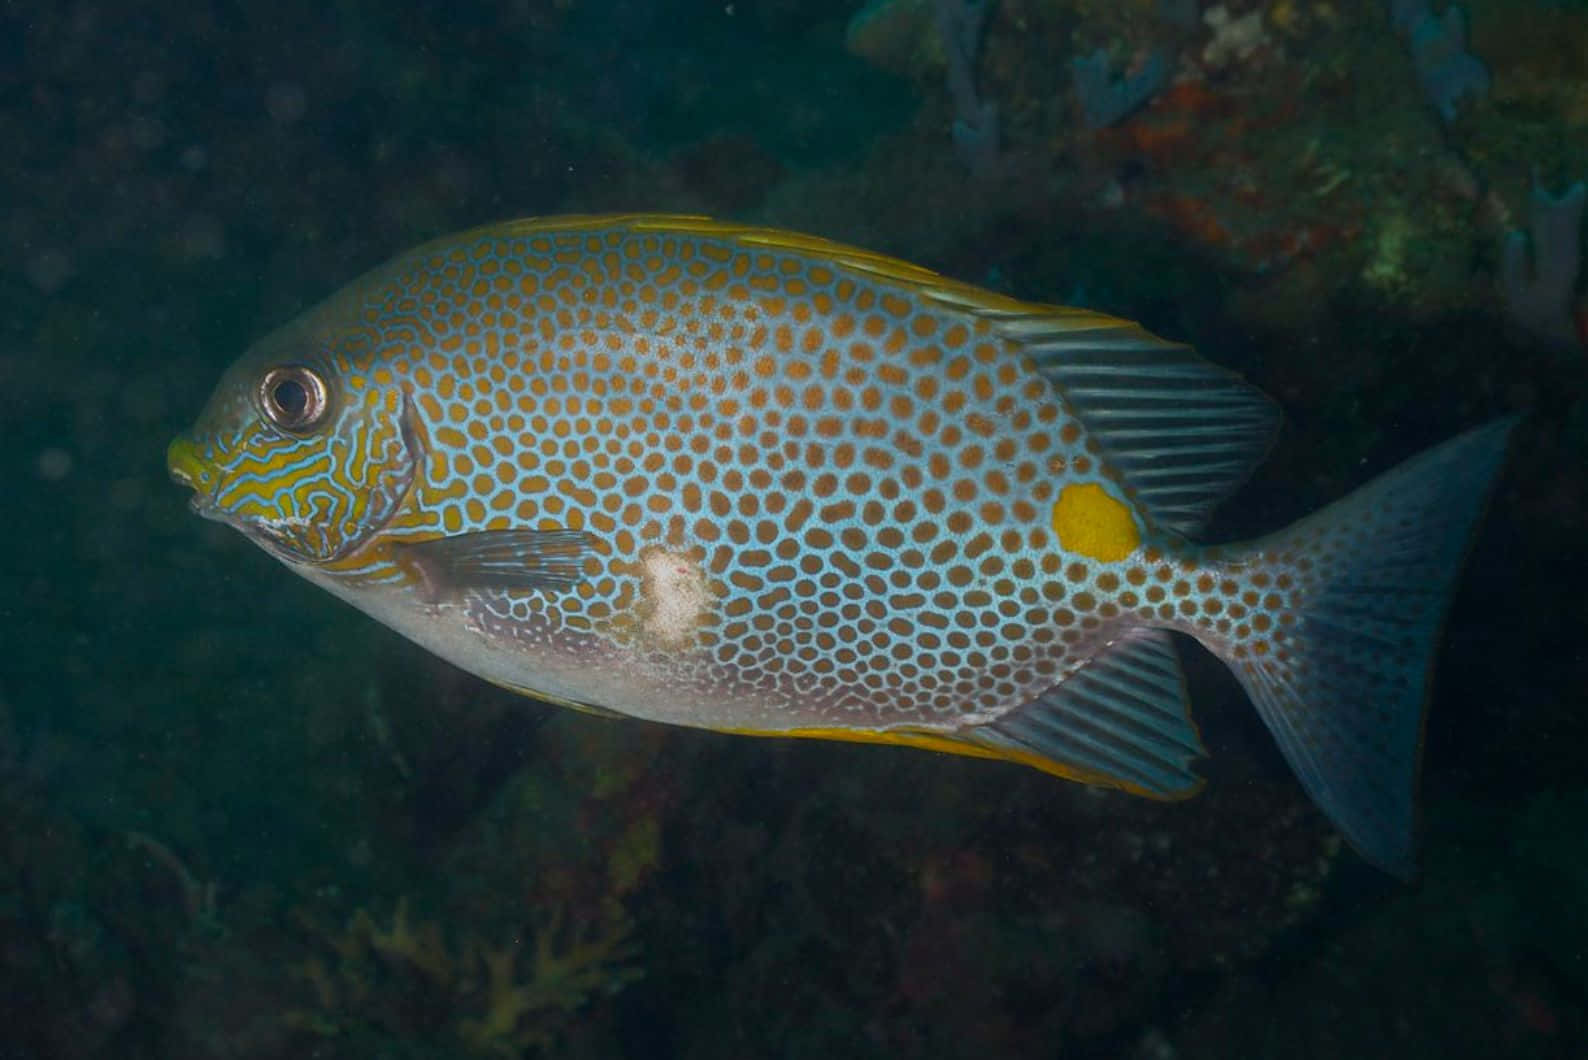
x,y
1347,700
583,707
504,560
1182,432
1120,721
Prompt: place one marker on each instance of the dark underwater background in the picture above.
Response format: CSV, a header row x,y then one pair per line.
x,y
239,820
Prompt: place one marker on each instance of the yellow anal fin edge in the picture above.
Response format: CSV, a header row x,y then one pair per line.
x,y
1121,720
950,743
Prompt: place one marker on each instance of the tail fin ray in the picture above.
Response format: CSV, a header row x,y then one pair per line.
x,y
1345,693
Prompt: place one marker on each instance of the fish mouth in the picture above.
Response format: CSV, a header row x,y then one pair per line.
x,y
182,460
188,469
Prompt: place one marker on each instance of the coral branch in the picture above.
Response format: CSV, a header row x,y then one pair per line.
x,y
198,896
960,24
567,969
1105,100
1438,43
1539,287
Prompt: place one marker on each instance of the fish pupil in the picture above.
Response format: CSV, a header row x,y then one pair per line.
x,y
291,399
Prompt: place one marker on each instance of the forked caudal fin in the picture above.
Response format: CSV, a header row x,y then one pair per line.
x,y
1345,695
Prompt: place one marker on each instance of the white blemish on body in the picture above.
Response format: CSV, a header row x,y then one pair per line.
x,y
676,597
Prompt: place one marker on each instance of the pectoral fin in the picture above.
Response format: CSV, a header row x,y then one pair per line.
x,y
508,560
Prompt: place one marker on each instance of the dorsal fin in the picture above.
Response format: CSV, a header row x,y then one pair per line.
x,y
1183,432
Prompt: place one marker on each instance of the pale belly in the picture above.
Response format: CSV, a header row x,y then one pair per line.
x,y
692,649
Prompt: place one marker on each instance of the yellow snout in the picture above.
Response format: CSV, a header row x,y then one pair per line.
x,y
186,467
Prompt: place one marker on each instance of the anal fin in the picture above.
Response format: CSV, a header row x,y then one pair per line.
x,y
1121,721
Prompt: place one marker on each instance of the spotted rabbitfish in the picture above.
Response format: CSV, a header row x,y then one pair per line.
x,y
753,481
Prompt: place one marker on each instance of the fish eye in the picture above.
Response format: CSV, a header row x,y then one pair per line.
x,y
293,397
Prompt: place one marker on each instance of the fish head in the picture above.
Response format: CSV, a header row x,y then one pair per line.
x,y
306,446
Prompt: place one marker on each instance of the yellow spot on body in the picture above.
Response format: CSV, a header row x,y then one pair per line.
x,y
1094,524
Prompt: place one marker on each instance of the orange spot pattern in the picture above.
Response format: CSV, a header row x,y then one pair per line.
x,y
861,470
